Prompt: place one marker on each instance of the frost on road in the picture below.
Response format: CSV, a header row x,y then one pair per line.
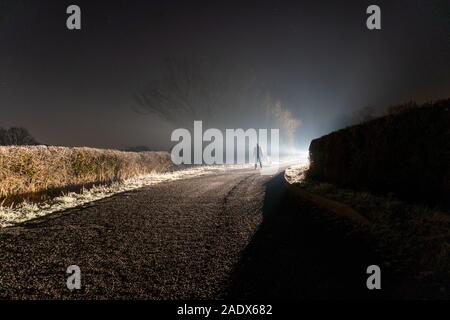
x,y
11,215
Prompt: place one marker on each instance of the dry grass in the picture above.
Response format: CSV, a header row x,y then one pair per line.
x,y
416,235
296,173
30,169
410,235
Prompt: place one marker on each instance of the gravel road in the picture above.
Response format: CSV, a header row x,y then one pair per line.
x,y
233,234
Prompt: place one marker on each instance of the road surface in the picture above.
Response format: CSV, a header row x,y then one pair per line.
x,y
233,234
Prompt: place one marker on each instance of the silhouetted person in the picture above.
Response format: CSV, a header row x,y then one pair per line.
x,y
258,156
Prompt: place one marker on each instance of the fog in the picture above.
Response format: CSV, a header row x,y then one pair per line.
x,y
311,65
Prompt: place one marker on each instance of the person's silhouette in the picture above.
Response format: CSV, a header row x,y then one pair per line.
x,y
258,156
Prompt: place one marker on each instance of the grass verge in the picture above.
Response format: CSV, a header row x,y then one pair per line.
x,y
411,237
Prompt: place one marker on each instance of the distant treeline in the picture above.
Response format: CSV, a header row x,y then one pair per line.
x,y
406,152
16,136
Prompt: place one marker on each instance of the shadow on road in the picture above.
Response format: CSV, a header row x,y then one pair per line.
x,y
300,252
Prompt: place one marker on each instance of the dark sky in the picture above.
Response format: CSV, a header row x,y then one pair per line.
x,y
76,87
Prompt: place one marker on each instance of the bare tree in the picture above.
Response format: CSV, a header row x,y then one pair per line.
x,y
185,93
401,108
363,115
3,138
223,96
208,90
369,113
277,116
16,136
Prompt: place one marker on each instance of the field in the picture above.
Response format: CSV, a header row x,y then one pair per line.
x,y
40,170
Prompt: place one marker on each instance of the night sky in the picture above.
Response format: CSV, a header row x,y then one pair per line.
x,y
75,88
